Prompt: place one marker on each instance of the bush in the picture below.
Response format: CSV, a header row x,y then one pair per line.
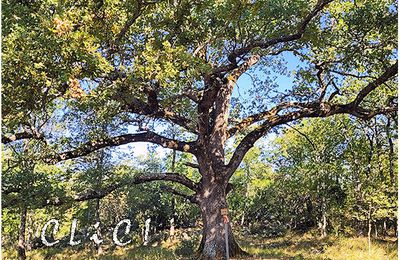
x,y
186,248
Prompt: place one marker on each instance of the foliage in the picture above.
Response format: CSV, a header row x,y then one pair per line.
x,y
83,77
327,167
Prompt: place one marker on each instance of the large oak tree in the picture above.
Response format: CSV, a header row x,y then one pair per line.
x,y
140,67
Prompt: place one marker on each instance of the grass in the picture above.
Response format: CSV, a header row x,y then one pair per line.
x,y
145,253
309,247
292,246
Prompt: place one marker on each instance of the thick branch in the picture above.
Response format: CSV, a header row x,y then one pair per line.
x,y
219,115
192,94
152,110
315,109
357,111
390,72
265,115
20,136
311,109
149,136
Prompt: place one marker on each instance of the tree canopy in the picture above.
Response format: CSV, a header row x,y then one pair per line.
x,y
82,76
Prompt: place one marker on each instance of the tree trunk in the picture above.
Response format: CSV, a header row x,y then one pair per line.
x,y
384,228
391,152
212,200
21,234
172,220
369,235
146,232
98,246
324,223
369,230
172,230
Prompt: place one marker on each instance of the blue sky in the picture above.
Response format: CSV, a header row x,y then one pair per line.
x,y
292,63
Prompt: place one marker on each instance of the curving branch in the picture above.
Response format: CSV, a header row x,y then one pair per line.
x,y
139,8
190,198
172,177
311,109
304,135
5,139
147,136
129,22
101,193
314,109
389,73
265,115
192,165
282,39
152,109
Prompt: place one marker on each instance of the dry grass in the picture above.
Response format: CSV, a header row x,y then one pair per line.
x,y
309,247
292,246
139,253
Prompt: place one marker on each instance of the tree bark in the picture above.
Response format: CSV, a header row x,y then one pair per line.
x,y
172,220
369,229
384,228
391,152
146,232
99,249
369,235
21,234
172,230
212,246
323,225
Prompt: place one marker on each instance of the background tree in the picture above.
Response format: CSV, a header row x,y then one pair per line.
x,y
322,170
140,66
